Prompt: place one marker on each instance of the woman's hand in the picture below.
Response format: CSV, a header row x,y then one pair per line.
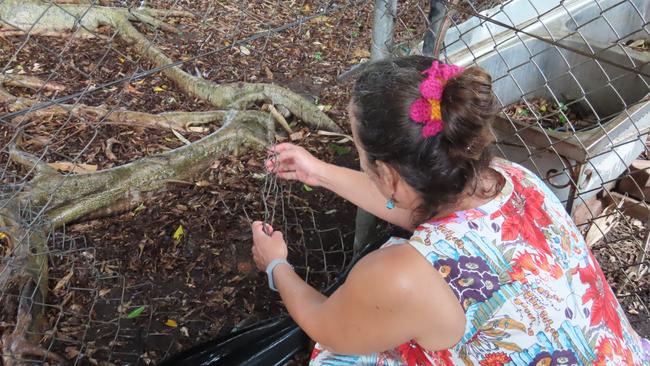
x,y
267,247
295,163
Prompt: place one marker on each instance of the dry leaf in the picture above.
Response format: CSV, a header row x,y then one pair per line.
x,y
71,352
78,168
171,323
103,292
62,282
130,89
244,50
297,136
637,43
361,53
198,129
202,183
109,149
268,72
181,137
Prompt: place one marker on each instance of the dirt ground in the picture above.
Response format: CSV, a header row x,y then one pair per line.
x,y
177,270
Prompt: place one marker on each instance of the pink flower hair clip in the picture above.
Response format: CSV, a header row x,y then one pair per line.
x,y
426,109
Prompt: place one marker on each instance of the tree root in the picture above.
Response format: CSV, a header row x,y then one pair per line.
x,y
29,82
36,18
180,121
24,267
71,197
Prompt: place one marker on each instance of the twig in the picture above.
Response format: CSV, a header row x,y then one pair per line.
x,y
279,118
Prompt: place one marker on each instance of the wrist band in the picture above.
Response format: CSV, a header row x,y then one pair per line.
x,y
269,271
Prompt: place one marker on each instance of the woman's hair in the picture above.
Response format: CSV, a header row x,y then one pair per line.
x,y
437,167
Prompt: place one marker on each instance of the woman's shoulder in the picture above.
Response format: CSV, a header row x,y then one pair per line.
x,y
396,269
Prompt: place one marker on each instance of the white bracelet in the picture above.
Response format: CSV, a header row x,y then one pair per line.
x,y
269,271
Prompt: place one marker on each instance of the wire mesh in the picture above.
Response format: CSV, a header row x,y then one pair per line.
x,y
572,79
139,175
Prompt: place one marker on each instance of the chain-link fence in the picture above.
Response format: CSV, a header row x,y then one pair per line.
x,y
129,172
572,81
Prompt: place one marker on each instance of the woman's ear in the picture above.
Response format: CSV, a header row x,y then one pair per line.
x,y
388,176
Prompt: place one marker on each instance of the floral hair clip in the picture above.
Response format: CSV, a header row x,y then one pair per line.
x,y
426,109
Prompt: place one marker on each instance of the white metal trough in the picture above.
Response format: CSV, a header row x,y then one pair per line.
x,y
575,164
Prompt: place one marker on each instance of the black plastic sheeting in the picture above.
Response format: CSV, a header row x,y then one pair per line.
x,y
271,342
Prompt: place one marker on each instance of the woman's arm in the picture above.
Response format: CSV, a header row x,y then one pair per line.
x,y
294,162
390,297
356,187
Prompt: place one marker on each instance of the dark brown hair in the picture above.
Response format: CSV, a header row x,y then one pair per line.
x,y
440,167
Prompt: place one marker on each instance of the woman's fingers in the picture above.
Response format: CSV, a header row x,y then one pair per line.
x,y
282,147
288,175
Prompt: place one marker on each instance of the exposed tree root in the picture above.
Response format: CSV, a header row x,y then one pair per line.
x,y
180,121
71,197
29,82
36,18
23,273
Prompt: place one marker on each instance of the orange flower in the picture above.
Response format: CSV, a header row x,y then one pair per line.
x,y
495,359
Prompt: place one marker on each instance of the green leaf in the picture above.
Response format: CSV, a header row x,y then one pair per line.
x,y
307,188
318,56
339,150
136,312
563,119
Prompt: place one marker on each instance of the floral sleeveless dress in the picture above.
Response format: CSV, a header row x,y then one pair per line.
x,y
532,291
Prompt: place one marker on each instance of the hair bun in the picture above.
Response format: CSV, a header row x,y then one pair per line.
x,y
468,108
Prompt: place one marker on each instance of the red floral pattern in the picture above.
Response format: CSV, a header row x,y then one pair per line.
x,y
495,359
611,351
413,354
525,217
604,304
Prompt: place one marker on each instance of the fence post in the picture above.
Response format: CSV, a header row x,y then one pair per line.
x,y
383,25
437,14
382,28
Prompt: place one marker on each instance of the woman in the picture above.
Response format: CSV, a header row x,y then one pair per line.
x,y
495,272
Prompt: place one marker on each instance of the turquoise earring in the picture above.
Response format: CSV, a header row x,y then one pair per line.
x,y
390,204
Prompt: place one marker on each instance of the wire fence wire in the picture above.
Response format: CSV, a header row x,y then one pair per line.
x,y
572,79
111,254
